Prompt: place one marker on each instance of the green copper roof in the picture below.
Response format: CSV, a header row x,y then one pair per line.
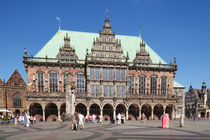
x,y
178,85
84,40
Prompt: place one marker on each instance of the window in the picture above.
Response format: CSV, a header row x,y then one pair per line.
x,y
123,71
120,91
108,90
40,82
108,74
142,81
131,85
64,82
80,83
103,39
163,85
153,85
94,73
120,74
17,100
110,39
94,90
62,56
71,57
110,48
53,82
104,48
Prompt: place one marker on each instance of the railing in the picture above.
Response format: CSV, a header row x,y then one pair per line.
x,y
52,60
99,59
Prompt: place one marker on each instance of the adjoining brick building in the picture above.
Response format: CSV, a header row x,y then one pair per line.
x,y
110,77
12,94
197,101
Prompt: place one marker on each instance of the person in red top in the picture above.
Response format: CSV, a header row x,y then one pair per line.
x,y
90,118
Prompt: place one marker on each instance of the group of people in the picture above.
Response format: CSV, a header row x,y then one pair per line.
x,y
120,118
25,119
79,119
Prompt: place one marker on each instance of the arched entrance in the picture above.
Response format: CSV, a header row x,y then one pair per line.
x,y
63,109
17,112
81,108
51,112
133,112
170,110
158,111
202,114
107,112
35,109
146,109
95,109
120,109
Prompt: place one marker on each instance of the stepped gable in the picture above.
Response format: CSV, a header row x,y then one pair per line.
x,y
106,47
16,79
67,53
142,57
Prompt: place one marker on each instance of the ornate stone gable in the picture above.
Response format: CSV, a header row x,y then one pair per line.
x,y
142,57
67,53
16,79
107,47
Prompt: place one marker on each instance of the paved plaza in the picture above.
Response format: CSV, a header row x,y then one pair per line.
x,y
130,130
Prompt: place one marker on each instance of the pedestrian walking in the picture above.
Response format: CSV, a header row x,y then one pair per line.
x,y
81,121
194,116
143,118
199,116
119,119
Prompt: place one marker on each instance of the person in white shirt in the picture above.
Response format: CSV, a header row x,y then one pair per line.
x,y
81,121
119,119
100,118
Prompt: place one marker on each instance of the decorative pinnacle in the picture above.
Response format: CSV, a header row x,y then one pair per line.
x,y
140,31
107,10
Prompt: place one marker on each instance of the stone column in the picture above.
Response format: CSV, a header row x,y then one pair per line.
x,y
114,114
43,113
139,114
101,112
126,114
164,111
70,98
88,113
59,115
152,114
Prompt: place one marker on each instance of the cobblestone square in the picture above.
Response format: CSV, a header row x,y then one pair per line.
x,y
130,130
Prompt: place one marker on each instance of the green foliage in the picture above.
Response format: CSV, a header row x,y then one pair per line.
x,y
5,119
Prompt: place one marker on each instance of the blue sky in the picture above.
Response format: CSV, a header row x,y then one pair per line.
x,y
173,28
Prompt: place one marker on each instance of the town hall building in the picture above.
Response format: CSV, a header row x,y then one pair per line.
x,y
108,77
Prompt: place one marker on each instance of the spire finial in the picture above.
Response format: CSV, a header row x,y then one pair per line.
x,y
59,22
139,31
107,10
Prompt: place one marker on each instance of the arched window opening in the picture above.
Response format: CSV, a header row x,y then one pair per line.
x,y
17,101
80,83
53,82
131,85
142,83
163,85
153,85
